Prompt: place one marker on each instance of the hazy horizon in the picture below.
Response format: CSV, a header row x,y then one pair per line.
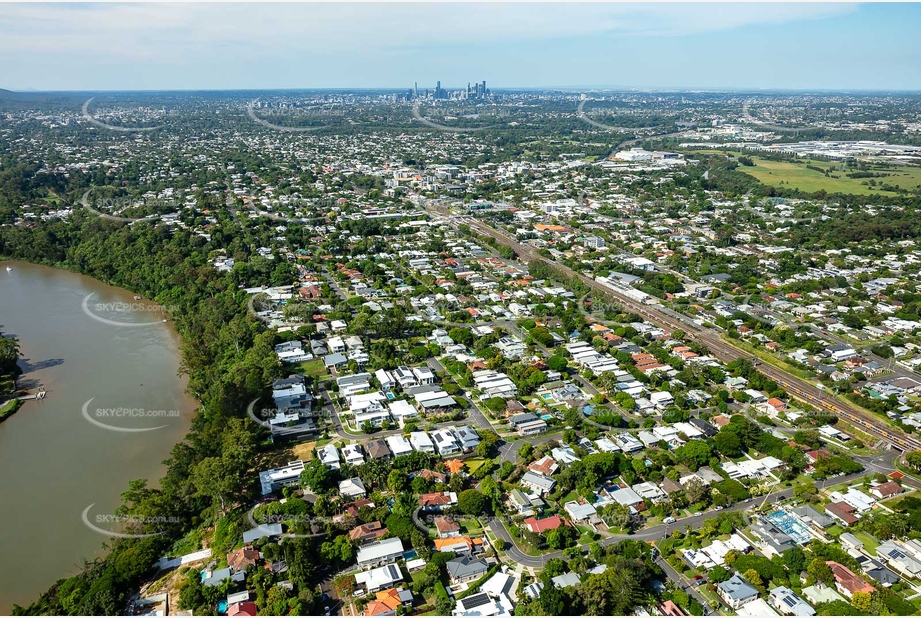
x,y
658,46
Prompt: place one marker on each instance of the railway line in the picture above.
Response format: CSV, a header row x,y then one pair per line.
x,y
796,387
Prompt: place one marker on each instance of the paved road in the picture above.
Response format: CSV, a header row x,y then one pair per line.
x,y
684,583
712,339
655,533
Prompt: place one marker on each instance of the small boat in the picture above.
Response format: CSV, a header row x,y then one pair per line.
x,y
137,298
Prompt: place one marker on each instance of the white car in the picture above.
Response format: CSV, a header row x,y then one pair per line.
x,y
668,520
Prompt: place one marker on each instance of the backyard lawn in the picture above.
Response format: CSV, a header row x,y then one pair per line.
x,y
869,542
313,369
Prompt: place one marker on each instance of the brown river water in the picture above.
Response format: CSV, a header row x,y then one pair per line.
x,y
82,341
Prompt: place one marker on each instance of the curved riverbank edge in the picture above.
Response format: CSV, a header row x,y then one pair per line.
x,y
190,407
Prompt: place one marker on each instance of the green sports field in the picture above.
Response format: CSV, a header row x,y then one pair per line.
x,y
798,176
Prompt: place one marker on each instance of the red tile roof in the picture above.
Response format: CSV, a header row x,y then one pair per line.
x,y
846,578
539,526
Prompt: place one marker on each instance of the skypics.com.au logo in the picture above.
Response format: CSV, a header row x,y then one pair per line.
x,y
115,419
97,311
126,526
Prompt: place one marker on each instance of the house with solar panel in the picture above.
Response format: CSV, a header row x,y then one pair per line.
x,y
788,603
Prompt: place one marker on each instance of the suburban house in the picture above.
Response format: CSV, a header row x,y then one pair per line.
x,y
424,376
399,445
846,581
465,569
446,527
381,552
773,540
539,526
545,466
402,411
519,501
437,501
886,490
736,592
899,558
842,511
379,578
405,377
387,602
788,603
445,443
367,533
240,559
386,380
378,449
329,456
353,454
421,442
466,437
274,479
580,512
541,484
352,488
459,545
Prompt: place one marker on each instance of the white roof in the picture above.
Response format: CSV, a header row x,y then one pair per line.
x,y
379,550
399,445
381,577
401,407
758,607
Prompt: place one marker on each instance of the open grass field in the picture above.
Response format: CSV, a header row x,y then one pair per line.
x,y
798,176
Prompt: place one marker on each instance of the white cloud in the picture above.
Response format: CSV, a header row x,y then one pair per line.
x,y
173,33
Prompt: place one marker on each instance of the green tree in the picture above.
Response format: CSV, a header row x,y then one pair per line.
x,y
820,571
472,502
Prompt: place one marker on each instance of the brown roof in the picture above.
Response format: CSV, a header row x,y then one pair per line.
x,y
435,499
378,449
545,465
888,489
431,475
369,529
241,558
443,524
352,508
669,486
842,511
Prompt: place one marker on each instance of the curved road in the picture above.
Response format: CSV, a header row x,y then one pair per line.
x,y
661,531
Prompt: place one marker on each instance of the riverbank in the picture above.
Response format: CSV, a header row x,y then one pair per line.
x,y
86,442
9,408
228,358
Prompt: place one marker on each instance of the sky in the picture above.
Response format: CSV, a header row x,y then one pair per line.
x,y
161,46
